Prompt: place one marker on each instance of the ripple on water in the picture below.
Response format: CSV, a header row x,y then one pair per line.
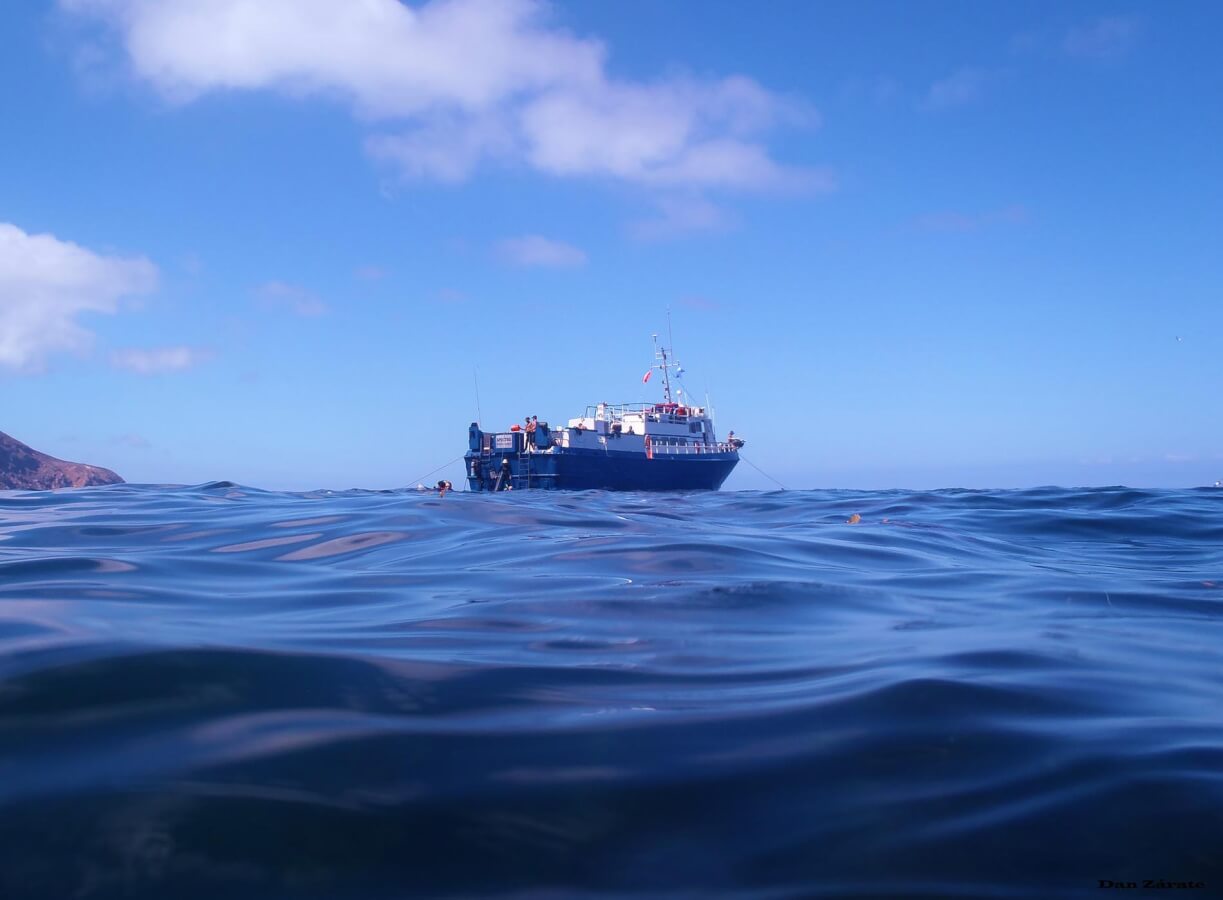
x,y
218,690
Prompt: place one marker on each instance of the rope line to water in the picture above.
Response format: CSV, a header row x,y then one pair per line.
x,y
762,472
438,469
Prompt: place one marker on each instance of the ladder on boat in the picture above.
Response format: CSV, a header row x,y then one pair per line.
x,y
523,478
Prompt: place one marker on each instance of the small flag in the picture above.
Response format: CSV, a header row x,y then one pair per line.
x,y
646,376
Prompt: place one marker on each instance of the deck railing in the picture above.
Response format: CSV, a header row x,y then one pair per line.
x,y
651,412
658,445
668,449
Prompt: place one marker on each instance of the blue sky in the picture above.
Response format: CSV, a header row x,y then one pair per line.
x,y
904,245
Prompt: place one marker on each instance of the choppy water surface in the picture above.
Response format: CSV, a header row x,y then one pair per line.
x,y
223,692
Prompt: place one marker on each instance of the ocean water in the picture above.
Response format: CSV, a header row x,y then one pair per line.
x,y
221,692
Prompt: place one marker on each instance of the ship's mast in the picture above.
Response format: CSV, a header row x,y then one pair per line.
x,y
661,353
671,347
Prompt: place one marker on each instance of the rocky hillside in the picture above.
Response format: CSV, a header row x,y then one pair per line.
x,y
23,468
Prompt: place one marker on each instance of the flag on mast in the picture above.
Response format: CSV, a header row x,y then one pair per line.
x,y
646,376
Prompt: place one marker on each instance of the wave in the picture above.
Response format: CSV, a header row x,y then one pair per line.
x,y
219,689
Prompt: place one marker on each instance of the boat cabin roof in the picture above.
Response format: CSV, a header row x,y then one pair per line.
x,y
649,412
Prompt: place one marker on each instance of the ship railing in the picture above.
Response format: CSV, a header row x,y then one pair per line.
x,y
670,449
615,412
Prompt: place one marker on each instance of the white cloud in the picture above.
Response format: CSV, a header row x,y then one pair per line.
x,y
681,215
296,299
46,284
678,133
960,88
534,250
461,82
701,304
1109,37
159,359
445,146
388,59
1180,457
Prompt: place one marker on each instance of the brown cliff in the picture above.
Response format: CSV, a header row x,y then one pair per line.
x,y
23,468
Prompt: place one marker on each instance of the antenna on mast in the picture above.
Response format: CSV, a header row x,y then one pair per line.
x,y
666,358
661,354
479,417
671,347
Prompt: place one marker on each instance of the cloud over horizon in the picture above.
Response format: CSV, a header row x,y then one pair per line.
x,y
449,85
281,295
965,85
47,283
156,360
1106,38
681,215
533,250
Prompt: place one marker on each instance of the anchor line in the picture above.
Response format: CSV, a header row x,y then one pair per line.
x,y
762,472
438,469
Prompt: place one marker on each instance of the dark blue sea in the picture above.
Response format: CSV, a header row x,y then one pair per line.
x,y
222,692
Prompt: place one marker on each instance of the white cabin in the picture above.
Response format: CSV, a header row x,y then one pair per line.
x,y
650,428
671,428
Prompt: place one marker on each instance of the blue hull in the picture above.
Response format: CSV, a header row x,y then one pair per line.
x,y
580,470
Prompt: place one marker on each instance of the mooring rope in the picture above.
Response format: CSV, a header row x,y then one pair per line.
x,y
438,469
762,472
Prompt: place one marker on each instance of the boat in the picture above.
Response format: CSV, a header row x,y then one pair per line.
x,y
665,446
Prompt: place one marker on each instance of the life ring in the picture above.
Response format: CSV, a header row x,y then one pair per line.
x,y
649,448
